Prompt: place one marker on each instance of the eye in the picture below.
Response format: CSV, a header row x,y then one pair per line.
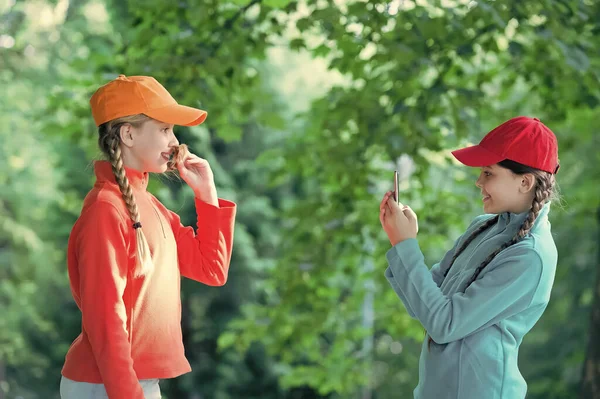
x,y
487,174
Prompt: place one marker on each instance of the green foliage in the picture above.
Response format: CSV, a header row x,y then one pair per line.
x,y
306,312
419,81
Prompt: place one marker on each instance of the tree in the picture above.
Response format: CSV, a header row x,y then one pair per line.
x,y
590,377
95,47
421,78
414,79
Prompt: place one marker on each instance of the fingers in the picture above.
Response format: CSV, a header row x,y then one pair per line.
x,y
410,214
180,167
392,206
189,156
384,214
183,154
187,162
389,206
386,196
194,161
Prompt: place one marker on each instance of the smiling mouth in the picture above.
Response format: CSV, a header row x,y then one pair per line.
x,y
486,197
167,156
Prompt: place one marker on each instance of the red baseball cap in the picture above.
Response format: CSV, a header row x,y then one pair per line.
x,y
132,95
522,139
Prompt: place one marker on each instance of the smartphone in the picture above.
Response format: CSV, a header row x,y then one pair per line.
x,y
396,187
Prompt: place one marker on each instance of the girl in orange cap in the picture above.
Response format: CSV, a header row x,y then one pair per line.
x,y
127,252
491,288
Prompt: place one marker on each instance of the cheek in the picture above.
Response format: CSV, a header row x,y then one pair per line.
x,y
492,189
500,191
146,148
155,142
149,151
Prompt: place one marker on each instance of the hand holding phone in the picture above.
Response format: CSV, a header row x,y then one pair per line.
x,y
396,187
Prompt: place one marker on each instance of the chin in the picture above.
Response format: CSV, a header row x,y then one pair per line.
x,y
492,210
162,168
489,209
157,168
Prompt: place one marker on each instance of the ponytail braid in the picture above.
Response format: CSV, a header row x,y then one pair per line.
x,y
466,243
109,142
545,190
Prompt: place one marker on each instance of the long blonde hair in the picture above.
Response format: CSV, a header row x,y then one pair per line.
x,y
109,141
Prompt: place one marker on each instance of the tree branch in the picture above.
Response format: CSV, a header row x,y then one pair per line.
x,y
229,23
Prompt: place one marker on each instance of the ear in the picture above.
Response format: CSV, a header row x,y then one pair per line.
x,y
126,134
527,183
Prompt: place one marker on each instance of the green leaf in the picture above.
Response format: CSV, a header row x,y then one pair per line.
x,y
297,44
276,3
226,340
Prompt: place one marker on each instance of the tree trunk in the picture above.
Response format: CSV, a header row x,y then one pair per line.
x,y
590,379
368,319
2,379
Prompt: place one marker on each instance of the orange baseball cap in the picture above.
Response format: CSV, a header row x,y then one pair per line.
x,y
132,95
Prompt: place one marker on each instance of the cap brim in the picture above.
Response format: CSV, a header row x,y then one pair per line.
x,y
178,115
476,156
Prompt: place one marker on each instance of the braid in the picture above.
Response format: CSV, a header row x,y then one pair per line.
x,y
119,170
109,142
491,257
544,191
466,243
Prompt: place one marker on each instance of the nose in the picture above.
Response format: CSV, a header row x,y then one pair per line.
x,y
174,142
478,182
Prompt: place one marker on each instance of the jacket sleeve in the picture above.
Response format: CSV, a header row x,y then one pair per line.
x,y
506,288
102,258
204,256
398,290
436,270
436,275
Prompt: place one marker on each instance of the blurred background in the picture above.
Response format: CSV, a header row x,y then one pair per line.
x,y
312,105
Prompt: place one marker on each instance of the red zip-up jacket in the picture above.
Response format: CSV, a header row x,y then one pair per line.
x,y
131,327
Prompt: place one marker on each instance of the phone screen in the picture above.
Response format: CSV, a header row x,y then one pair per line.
x,y
396,188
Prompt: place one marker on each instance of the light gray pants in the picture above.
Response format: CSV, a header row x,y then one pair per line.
x,y
70,389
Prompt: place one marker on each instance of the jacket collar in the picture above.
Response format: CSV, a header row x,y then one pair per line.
x,y
137,179
515,220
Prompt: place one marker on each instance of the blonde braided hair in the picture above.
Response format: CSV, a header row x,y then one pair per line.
x,y
109,142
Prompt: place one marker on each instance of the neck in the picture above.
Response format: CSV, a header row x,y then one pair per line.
x,y
524,206
129,160
522,209
136,178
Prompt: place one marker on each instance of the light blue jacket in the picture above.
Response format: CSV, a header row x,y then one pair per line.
x,y
477,332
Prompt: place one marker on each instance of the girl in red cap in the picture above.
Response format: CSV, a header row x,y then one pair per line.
x,y
491,288
127,252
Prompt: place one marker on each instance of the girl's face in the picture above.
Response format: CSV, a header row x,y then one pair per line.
x,y
504,191
147,147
